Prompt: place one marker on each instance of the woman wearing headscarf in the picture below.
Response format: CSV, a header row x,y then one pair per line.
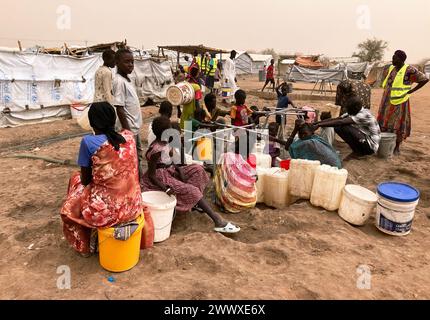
x,y
394,112
106,192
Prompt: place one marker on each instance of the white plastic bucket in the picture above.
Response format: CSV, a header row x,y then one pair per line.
x,y
162,208
396,208
357,204
387,144
83,120
77,110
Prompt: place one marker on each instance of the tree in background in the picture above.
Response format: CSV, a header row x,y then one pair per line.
x,y
270,51
371,50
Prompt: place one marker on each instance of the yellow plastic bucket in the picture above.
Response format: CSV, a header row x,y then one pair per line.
x,y
117,255
204,149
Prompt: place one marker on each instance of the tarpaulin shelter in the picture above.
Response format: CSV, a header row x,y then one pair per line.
x,y
354,70
427,69
310,75
189,49
325,77
243,62
259,61
310,62
42,87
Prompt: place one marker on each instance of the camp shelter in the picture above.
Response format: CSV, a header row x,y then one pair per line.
x,y
309,62
375,76
427,69
39,87
189,50
259,61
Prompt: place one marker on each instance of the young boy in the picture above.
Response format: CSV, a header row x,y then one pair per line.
x,y
283,100
215,113
270,75
103,78
327,133
240,117
273,148
240,112
126,100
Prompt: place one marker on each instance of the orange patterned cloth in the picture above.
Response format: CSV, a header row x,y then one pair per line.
x,y
113,196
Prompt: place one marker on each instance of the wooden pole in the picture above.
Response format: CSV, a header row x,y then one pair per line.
x,y
177,61
19,45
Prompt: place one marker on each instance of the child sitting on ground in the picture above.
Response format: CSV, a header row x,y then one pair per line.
x,y
327,133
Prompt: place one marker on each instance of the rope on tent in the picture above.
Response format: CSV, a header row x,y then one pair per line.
x,y
66,162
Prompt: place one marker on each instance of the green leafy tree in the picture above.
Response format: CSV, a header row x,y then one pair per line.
x,y
371,50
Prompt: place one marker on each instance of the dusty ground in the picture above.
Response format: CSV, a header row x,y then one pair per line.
x,y
302,252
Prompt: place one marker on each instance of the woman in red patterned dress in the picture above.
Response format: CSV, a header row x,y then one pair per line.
x,y
106,191
187,183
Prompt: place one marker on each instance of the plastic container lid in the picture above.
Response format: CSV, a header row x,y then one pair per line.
x,y
400,192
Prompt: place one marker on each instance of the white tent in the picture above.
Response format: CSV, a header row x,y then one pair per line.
x,y
427,69
259,61
41,87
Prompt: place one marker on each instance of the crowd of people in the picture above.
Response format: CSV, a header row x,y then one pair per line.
x,y
107,191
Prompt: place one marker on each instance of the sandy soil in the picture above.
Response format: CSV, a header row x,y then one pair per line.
x,y
302,252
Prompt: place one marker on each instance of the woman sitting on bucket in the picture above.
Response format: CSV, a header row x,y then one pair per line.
x,y
187,183
106,191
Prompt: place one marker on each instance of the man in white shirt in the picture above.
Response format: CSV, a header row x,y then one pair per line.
x,y
126,100
229,75
103,78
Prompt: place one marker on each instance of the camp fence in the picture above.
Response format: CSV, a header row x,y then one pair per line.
x,y
301,74
42,87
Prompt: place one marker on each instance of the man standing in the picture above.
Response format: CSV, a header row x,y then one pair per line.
x,y
127,102
270,75
395,111
103,78
210,78
229,75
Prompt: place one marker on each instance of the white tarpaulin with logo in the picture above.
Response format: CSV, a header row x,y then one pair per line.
x,y
41,87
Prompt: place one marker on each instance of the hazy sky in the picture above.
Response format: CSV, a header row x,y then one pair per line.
x,y
332,27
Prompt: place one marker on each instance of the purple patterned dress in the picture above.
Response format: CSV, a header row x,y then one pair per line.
x,y
188,193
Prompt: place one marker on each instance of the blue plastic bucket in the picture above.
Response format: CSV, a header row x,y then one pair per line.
x,y
396,207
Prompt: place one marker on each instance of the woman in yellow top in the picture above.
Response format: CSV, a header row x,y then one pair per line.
x,y
189,109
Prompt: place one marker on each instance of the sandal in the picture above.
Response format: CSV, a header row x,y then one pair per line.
x,y
197,208
228,228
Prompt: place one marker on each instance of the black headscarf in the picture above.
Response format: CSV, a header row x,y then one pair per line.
x,y
401,55
102,117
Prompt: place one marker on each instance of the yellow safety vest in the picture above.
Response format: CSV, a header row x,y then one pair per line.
x,y
214,67
399,89
199,62
204,64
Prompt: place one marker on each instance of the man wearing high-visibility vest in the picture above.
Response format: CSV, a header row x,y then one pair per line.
x,y
394,112
197,62
210,72
204,66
